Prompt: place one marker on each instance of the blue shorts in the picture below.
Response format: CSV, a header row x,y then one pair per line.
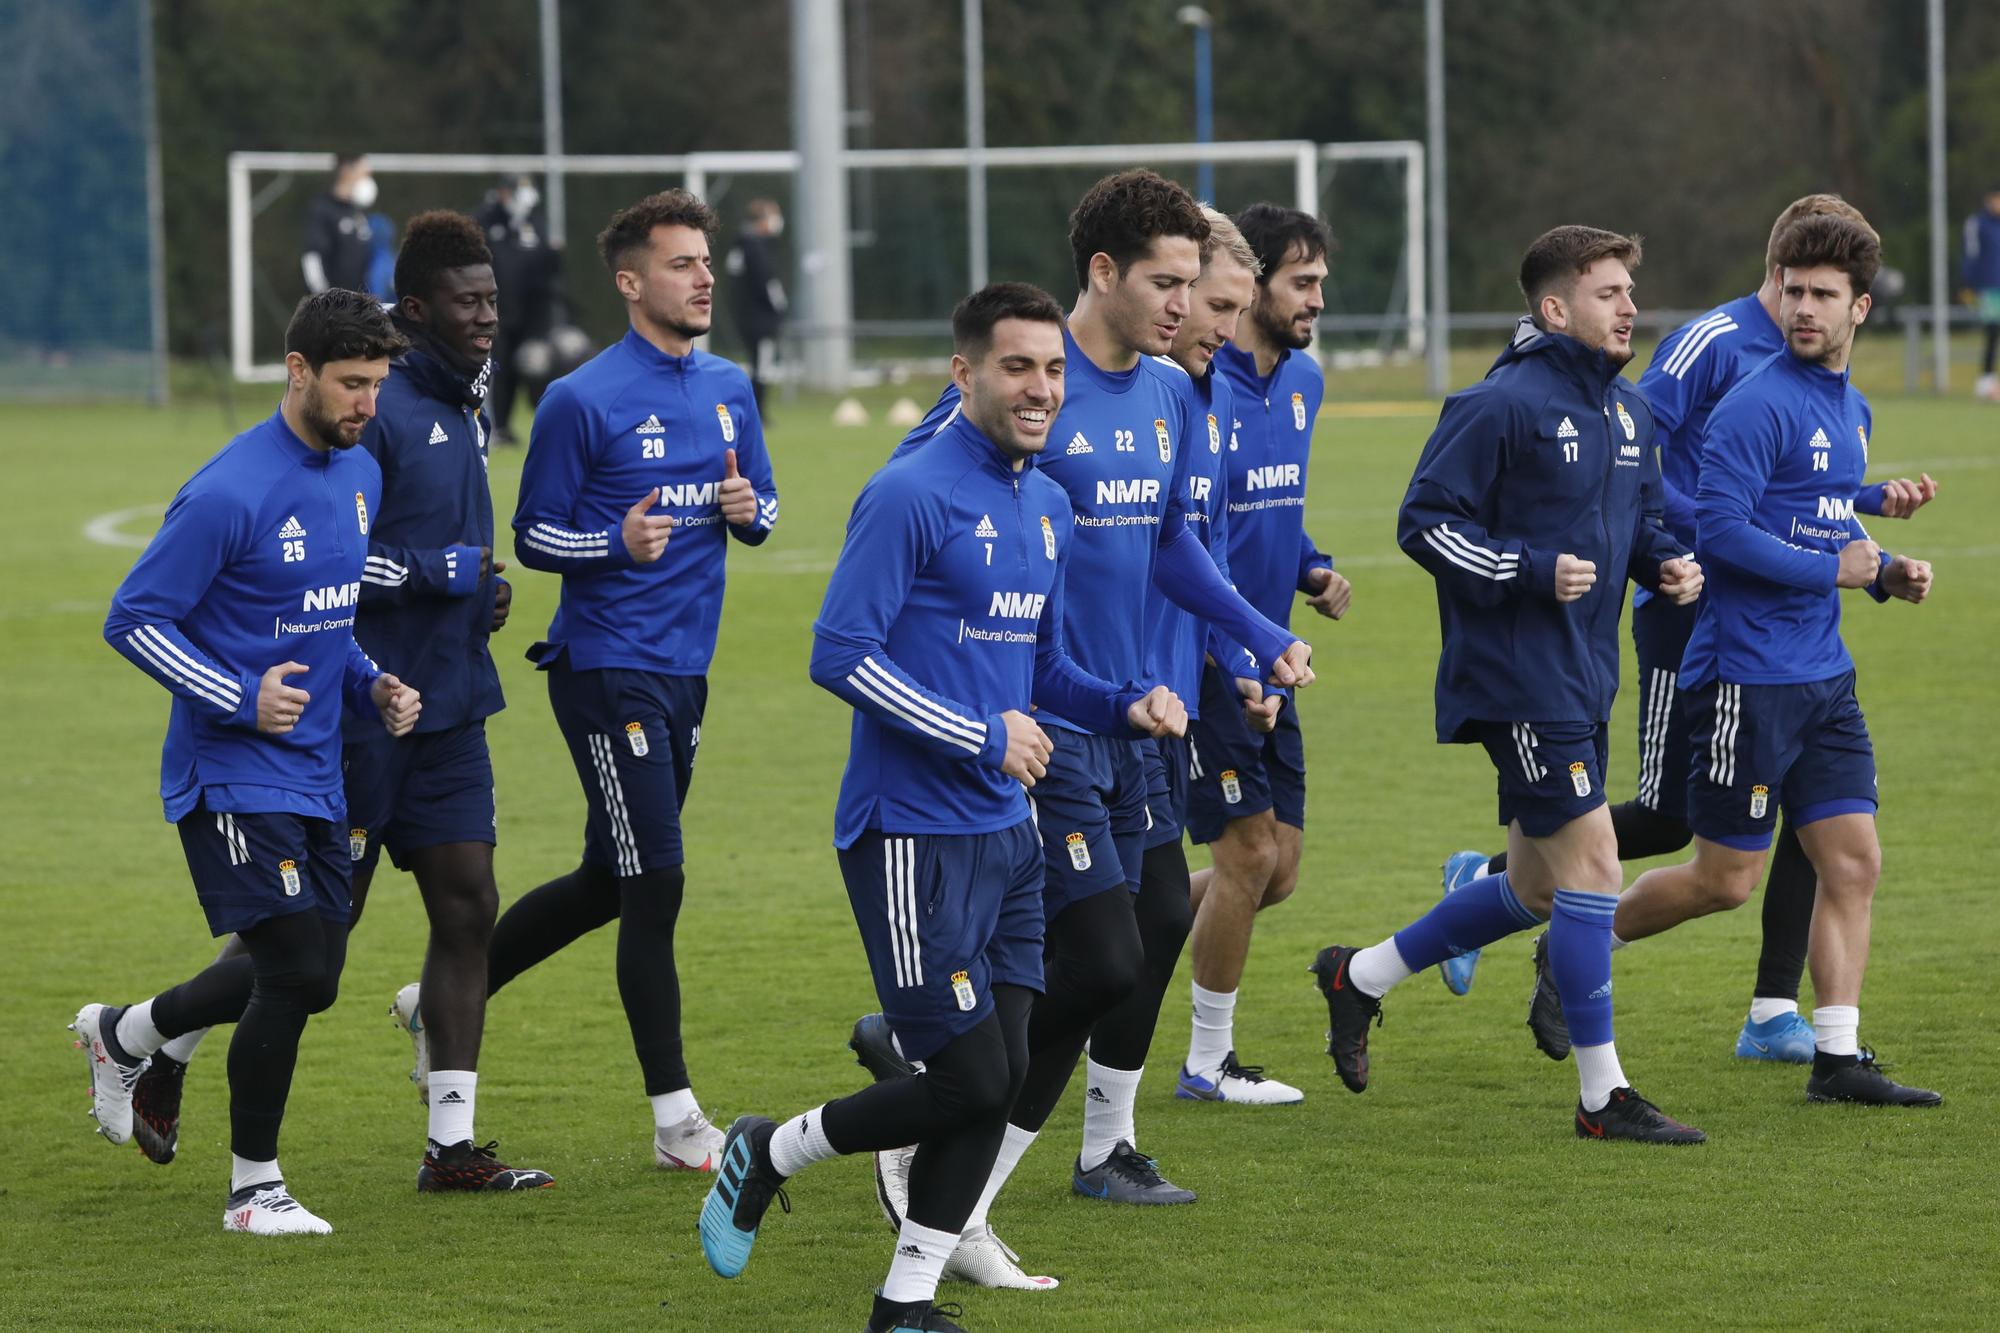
x,y
421,790
1660,633
1091,811
1757,747
632,736
1166,789
249,868
945,918
1234,771
1550,772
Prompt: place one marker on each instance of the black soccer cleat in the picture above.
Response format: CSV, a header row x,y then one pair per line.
x,y
1348,1013
874,1047
156,1108
916,1317
462,1167
1862,1080
1629,1116
1545,1007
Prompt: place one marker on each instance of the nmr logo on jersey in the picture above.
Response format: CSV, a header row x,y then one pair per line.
x,y
690,494
1271,476
1128,491
332,597
1017,605
1836,509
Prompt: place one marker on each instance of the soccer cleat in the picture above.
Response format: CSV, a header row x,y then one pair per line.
x,y
410,1018
1348,1013
1127,1176
1786,1038
1545,1007
1629,1116
744,1186
874,1047
916,1317
1863,1080
270,1210
111,1078
156,1108
1459,869
691,1145
463,1167
984,1260
1242,1084
892,1183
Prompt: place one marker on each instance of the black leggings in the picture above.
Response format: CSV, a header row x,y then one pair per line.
x,y
1165,916
955,1111
1992,346
295,964
1092,957
646,906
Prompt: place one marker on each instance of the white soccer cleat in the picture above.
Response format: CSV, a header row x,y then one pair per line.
x,y
1245,1085
110,1082
409,1017
892,1183
691,1145
984,1260
1988,388
270,1210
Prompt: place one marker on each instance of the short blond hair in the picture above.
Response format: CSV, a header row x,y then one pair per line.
x,y
1807,206
1224,238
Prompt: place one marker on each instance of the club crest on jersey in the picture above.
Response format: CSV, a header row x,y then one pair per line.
x,y
361,512
1579,777
1760,800
1079,851
357,843
1048,538
1862,432
1214,434
1232,788
961,989
1166,445
635,736
728,425
1625,422
288,875
1299,411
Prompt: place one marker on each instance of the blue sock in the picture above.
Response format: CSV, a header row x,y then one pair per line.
x,y
1580,958
1478,914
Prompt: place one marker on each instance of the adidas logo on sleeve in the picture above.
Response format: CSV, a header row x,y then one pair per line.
x,y
292,528
437,433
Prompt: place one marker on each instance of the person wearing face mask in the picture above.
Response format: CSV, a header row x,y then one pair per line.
x,y
339,237
757,297
529,269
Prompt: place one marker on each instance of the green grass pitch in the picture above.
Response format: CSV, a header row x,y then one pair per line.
x,y
1453,1193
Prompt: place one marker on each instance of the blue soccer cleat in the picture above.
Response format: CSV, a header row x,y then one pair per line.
x,y
741,1195
1459,870
1787,1039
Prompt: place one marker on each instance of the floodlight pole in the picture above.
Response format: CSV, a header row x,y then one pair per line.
x,y
1437,337
819,133
1202,22
1940,245
975,141
552,122
156,212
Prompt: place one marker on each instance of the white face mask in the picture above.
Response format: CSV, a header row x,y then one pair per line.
x,y
523,202
777,224
362,193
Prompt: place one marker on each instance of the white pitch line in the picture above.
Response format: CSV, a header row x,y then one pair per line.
x,y
105,528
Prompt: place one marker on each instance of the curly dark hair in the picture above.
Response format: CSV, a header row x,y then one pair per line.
x,y
1123,214
631,228
973,320
434,242
1559,256
1281,236
339,325
1828,238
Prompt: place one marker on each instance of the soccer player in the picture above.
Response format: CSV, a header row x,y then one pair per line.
x,y
1247,799
1769,684
1535,479
242,606
943,627
651,439
1979,270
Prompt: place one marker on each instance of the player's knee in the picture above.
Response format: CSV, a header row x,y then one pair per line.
x,y
1727,887
462,911
1851,874
1113,975
1280,887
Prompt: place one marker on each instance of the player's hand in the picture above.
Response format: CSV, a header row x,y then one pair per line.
x,y
279,704
1028,748
398,703
738,498
1260,710
1680,579
1332,593
1908,579
503,598
1159,713
485,562
1903,497
1294,670
1574,577
646,533
1860,564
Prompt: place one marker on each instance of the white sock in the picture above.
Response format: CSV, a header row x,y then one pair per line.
x,y
800,1142
1763,1010
1597,1069
1378,967
1835,1027
1014,1146
451,1105
135,1031
181,1048
1214,1033
919,1261
244,1173
1108,1097
1616,943
669,1108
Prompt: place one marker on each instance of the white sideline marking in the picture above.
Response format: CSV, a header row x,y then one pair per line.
x,y
105,528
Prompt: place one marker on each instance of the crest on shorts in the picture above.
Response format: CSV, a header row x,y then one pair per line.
x,y
1079,851
361,512
1299,411
288,875
1166,445
1214,434
1625,421
635,736
357,843
1760,800
1579,777
728,424
1048,538
961,990
1232,790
